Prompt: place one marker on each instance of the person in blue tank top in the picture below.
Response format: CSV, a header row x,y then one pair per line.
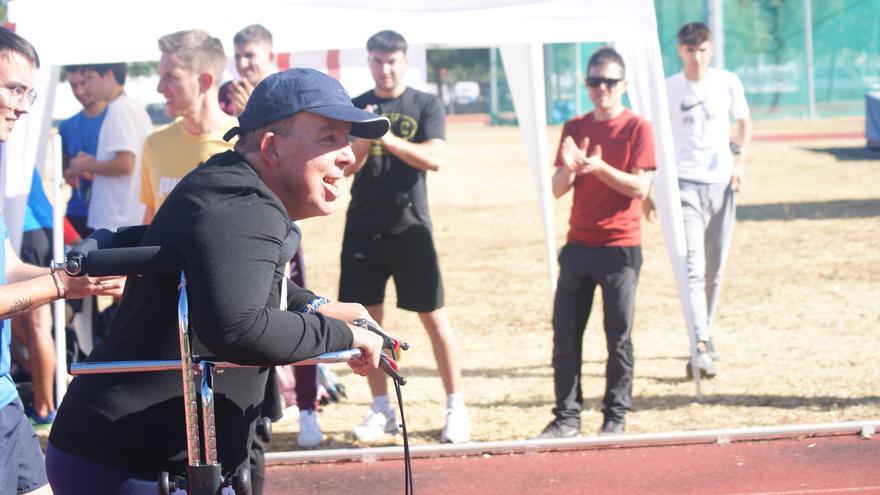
x,y
24,287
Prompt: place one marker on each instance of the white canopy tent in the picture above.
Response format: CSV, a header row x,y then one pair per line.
x,y
110,31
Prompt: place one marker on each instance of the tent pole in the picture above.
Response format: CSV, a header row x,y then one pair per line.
x,y
808,42
493,84
715,8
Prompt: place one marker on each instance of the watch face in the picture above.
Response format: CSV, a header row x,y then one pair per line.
x,y
734,148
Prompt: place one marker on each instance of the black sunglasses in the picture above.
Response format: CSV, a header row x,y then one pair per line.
x,y
595,82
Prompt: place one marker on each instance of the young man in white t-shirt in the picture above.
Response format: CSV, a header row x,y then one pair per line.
x,y
710,163
116,165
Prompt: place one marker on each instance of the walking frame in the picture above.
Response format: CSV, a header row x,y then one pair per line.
x,y
106,253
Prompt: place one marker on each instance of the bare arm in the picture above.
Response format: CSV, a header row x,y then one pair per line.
x,y
562,180
32,286
121,164
423,156
575,161
347,312
743,140
149,213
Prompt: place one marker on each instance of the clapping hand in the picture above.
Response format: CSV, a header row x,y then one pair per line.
x,y
576,159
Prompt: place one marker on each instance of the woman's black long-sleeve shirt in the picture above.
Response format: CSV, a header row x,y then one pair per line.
x,y
229,230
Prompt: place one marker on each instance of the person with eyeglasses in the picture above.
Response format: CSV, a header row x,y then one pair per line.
x,y
24,287
702,102
606,157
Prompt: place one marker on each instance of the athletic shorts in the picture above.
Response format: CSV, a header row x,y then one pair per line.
x,y
80,225
369,259
36,247
22,468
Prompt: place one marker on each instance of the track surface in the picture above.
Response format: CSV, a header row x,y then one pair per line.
x,y
817,465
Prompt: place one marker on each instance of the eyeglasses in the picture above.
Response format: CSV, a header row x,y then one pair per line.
x,y
18,93
595,82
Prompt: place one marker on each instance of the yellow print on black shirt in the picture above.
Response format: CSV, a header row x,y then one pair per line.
x,y
403,126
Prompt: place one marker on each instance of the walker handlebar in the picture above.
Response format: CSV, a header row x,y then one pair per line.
x,y
386,362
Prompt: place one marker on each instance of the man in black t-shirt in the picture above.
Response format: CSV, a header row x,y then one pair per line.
x,y
388,228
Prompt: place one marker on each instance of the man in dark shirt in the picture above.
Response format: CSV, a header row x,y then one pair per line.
x,y
230,222
388,228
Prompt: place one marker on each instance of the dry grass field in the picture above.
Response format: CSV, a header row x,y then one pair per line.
x,y
797,327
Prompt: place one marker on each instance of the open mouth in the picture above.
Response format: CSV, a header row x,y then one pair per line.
x,y
331,190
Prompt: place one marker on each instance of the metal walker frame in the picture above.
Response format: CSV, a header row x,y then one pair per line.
x,y
204,473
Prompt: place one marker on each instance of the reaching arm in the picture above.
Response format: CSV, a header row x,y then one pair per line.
x,y
32,286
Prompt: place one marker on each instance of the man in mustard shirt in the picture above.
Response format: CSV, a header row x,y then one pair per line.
x,y
190,71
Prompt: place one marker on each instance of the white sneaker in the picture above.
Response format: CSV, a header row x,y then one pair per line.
x,y
458,426
375,425
310,434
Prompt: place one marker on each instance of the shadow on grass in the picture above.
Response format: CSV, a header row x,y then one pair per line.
x,y
811,210
849,153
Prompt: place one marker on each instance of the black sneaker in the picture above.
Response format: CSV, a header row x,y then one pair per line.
x,y
558,429
613,426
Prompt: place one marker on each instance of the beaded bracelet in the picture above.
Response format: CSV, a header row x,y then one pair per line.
x,y
314,304
59,284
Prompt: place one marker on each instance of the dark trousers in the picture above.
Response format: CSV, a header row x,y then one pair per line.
x,y
581,269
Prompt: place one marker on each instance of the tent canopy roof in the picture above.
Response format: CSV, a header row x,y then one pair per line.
x,y
113,31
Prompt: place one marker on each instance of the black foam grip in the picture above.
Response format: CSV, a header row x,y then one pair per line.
x,y
145,260
129,236
99,239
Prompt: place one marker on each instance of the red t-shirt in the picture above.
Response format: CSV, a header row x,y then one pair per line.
x,y
601,216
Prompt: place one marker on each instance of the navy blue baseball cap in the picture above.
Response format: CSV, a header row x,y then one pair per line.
x,y
305,90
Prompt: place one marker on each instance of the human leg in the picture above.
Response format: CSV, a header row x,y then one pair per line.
x,y
620,267
444,347
571,310
74,475
34,329
694,217
22,468
719,235
382,417
306,386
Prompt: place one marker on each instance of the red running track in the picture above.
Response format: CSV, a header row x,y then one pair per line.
x,y
816,465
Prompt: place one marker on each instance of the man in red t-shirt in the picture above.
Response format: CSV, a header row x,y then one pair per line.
x,y
607,157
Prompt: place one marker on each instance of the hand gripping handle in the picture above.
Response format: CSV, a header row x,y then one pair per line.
x,y
386,362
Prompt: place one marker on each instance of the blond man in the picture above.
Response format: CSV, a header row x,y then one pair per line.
x,y
190,70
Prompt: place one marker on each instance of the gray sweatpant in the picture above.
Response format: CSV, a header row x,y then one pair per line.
x,y
709,212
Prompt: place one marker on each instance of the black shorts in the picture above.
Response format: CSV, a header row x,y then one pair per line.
x,y
36,247
369,259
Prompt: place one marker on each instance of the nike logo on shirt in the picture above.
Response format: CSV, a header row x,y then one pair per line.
x,y
687,108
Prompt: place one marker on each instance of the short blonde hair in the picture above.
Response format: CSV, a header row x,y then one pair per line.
x,y
197,50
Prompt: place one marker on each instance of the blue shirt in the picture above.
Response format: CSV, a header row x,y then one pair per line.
x,y
38,213
80,133
8,393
